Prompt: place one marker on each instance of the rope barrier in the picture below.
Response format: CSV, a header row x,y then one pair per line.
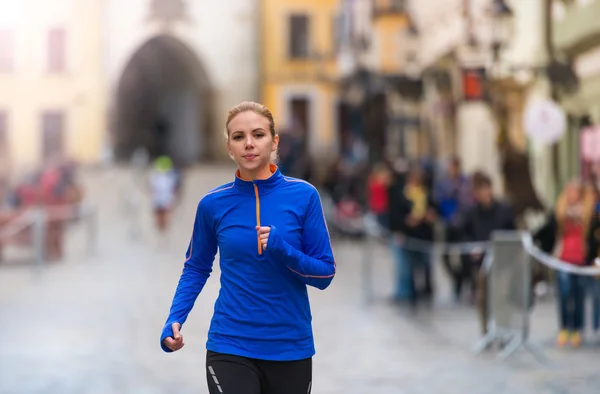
x,y
16,225
373,229
37,217
557,264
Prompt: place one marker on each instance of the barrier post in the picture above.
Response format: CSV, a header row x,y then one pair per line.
x,y
509,296
367,269
39,236
92,231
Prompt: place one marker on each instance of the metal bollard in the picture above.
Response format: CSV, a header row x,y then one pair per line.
x,y
39,236
367,270
508,296
92,231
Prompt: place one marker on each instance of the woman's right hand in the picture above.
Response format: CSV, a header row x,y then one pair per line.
x,y
176,341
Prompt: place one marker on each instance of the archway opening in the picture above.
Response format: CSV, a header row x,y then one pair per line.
x,y
162,103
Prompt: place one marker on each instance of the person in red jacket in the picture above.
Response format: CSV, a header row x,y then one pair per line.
x,y
378,198
574,210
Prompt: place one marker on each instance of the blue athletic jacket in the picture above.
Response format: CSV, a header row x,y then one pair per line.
x,y
262,310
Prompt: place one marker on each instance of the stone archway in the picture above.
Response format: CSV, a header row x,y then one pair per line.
x,y
163,103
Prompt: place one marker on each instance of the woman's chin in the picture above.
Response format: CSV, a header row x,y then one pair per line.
x,y
251,165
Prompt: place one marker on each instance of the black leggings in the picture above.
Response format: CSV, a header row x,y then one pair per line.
x,y
227,374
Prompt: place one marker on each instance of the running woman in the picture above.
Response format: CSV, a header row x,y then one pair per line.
x,y
273,243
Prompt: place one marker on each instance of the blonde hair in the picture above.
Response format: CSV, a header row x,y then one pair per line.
x,y
587,198
257,108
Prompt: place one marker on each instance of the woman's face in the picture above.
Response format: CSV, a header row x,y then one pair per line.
x,y
250,143
573,194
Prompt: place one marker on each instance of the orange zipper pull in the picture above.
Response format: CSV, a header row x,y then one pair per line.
x,y
258,217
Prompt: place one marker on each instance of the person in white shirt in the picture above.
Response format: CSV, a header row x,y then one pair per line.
x,y
163,185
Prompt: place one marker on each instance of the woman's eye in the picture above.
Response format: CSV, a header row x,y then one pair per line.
x,y
259,135
237,137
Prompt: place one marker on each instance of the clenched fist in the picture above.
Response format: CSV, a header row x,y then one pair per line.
x,y
263,235
176,341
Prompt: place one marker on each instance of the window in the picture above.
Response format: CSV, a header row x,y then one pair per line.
x,y
300,111
299,36
6,51
52,135
57,50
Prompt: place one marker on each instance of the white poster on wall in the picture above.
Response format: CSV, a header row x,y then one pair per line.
x,y
545,122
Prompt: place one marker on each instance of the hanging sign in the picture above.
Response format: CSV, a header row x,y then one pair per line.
x,y
545,122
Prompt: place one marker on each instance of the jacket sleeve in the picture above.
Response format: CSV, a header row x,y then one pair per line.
x,y
468,233
399,208
314,265
509,218
593,241
196,270
545,236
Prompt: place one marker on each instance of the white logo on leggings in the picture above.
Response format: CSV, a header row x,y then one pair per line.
x,y
212,372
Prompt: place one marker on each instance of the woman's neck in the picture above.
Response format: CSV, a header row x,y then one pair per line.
x,y
259,174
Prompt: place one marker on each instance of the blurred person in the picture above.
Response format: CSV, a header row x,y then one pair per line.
x,y
593,253
287,151
273,243
68,185
453,195
574,210
290,152
412,216
486,215
377,193
7,199
398,203
58,188
334,180
7,209
163,186
595,180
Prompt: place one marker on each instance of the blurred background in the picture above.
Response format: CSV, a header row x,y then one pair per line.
x,y
425,124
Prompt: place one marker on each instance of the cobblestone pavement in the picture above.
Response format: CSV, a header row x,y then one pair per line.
x,y
90,324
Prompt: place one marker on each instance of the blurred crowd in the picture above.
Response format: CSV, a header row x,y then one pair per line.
x,y
52,186
419,203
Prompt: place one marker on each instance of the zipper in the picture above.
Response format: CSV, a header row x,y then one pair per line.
x,y
257,217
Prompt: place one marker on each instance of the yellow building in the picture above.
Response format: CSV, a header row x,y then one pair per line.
x,y
389,22
52,100
298,71
394,49
381,91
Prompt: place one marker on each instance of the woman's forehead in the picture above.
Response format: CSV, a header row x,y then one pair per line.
x,y
248,121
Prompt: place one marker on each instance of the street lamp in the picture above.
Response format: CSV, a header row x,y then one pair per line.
x,y
502,26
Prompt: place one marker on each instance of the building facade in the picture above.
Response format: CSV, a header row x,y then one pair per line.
x,y
380,87
173,68
299,71
577,38
83,78
52,100
455,61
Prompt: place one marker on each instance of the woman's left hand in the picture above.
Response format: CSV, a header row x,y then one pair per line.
x,y
263,235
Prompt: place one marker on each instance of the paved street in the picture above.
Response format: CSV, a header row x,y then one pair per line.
x,y
91,324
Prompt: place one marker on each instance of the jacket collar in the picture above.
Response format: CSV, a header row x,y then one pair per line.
x,y
264,186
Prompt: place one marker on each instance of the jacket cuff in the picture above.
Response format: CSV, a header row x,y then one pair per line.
x,y
166,332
